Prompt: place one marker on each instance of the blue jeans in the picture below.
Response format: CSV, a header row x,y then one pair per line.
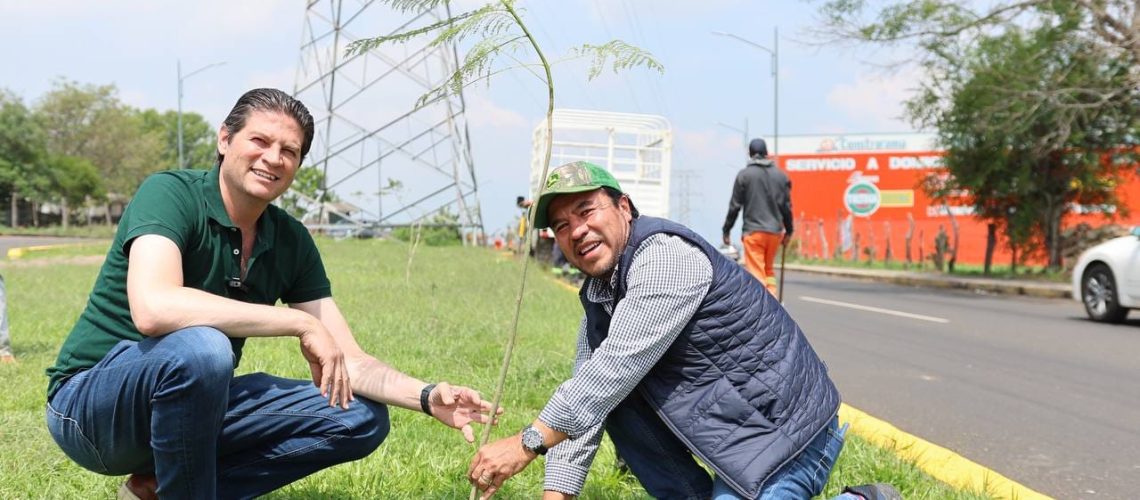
x,y
667,469
803,477
171,406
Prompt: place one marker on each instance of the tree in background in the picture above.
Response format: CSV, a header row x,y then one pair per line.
x,y
89,121
200,146
81,145
72,181
1110,27
1033,106
21,152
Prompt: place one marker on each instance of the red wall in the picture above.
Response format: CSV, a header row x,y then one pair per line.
x,y
820,182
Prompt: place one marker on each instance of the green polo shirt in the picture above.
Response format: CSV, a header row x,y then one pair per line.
x,y
186,207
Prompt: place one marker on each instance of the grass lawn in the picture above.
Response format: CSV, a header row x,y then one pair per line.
x,y
448,321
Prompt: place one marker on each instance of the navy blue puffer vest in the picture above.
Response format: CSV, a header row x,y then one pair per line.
x,y
740,386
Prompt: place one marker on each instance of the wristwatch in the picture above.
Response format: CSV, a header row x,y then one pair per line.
x,y
532,440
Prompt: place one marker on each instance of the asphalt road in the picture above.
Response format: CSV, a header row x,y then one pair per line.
x,y
1026,387
9,242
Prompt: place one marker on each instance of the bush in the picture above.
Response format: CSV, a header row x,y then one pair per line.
x,y
434,236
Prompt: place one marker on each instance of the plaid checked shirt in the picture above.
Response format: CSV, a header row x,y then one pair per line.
x,y
668,278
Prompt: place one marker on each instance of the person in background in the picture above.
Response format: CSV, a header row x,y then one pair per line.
x,y
145,384
523,204
682,356
763,191
6,354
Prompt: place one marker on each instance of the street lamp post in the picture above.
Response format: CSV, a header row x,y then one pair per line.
x,y
775,53
181,77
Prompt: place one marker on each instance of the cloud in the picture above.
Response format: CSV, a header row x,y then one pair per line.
x,y
707,143
483,112
619,11
874,100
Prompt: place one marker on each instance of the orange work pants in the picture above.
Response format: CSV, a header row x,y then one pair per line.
x,y
760,257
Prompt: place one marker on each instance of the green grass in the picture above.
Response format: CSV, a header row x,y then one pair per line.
x,y
449,321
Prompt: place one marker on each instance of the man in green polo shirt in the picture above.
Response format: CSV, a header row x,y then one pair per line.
x,y
144,384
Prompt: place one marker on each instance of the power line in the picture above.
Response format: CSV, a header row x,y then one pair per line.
x,y
609,34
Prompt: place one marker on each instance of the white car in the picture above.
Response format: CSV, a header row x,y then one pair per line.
x,y
1106,278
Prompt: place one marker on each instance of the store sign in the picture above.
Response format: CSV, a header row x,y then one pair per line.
x,y
862,198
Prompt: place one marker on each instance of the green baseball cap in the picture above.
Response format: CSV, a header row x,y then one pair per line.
x,y
576,177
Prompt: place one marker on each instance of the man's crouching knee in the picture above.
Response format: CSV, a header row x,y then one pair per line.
x,y
368,427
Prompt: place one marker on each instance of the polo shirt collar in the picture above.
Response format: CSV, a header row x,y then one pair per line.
x,y
216,209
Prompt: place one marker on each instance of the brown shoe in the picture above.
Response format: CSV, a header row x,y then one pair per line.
x,y
139,487
7,359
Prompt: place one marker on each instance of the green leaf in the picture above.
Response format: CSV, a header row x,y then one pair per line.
x,y
624,56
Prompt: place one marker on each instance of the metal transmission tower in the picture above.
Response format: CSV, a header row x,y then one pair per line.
x,y
391,164
684,180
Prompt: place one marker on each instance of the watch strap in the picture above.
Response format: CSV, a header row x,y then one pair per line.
x,y
425,398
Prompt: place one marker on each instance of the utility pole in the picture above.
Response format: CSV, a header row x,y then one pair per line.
x,y
775,53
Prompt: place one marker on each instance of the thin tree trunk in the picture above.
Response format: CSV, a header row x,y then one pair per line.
x,y
823,255
991,242
1054,237
65,213
870,243
15,215
921,248
909,236
887,255
953,246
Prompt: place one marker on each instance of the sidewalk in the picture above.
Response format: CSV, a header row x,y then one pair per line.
x,y
1032,288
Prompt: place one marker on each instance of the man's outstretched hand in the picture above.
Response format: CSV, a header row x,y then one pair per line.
x,y
458,407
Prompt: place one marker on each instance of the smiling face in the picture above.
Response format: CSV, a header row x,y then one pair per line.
x,y
260,160
591,229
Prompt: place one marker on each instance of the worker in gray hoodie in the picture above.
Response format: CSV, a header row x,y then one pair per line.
x,y
764,192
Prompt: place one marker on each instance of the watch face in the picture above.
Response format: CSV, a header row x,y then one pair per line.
x,y
532,438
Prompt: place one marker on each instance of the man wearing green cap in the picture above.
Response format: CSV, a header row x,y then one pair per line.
x,y
682,355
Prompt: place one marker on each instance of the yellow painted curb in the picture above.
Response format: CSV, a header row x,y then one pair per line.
x,y
17,252
941,463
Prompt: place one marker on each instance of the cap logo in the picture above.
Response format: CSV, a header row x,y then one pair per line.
x,y
552,180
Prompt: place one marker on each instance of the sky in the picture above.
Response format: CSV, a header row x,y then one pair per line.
x,y
711,87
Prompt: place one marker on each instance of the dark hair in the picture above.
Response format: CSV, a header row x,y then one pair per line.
x,y
616,195
272,100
